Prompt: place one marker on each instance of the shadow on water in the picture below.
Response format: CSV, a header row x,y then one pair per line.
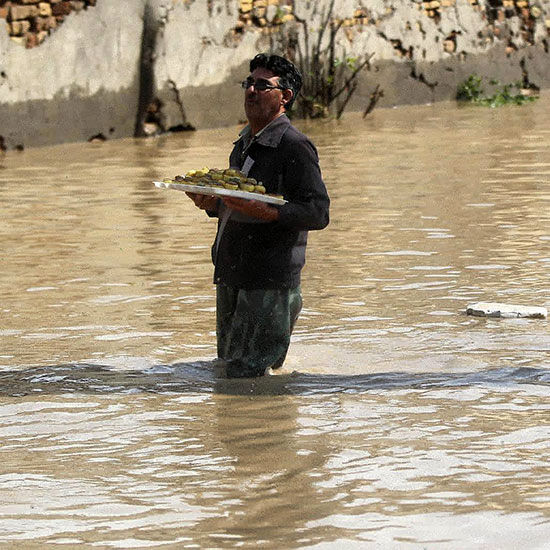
x,y
206,377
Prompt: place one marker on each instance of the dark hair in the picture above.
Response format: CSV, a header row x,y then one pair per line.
x,y
289,75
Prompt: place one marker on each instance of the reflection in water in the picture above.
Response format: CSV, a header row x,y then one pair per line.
x,y
205,377
178,456
397,421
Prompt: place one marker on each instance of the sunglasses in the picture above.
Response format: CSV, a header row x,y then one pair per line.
x,y
260,85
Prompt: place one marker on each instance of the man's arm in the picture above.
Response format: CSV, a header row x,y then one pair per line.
x,y
308,201
209,203
255,209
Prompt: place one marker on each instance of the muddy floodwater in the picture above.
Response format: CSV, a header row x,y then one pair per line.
x,y
397,421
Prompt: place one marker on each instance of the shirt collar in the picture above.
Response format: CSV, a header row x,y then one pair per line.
x,y
270,135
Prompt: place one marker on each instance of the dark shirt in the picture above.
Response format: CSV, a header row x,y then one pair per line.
x,y
251,254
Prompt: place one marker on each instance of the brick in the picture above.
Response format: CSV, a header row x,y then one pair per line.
x,y
4,10
44,9
31,40
449,46
22,12
41,23
19,28
19,40
41,36
78,5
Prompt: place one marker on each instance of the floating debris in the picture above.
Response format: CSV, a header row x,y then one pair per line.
x,y
510,311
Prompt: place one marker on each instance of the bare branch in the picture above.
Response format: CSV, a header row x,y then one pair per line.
x,y
329,78
353,75
374,97
351,91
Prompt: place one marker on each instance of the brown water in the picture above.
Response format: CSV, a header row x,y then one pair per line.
x,y
398,421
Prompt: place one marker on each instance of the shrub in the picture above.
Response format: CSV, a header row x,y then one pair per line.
x,y
471,91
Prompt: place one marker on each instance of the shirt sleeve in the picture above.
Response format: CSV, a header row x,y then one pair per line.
x,y
308,201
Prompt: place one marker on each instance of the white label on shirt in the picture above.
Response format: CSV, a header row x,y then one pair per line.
x,y
247,165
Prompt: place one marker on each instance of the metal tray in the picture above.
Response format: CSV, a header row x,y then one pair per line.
x,y
221,191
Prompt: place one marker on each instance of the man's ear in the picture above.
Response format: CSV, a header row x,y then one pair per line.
x,y
288,94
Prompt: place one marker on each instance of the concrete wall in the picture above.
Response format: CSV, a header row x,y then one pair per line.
x,y
81,81
103,71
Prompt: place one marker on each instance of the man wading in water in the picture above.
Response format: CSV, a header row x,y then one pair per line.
x,y
259,250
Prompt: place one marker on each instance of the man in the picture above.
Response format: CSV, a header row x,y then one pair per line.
x,y
259,249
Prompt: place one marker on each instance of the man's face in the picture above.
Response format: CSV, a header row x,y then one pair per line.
x,y
262,106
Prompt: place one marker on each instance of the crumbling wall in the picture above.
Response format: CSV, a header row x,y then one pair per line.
x,y
80,82
29,22
422,50
77,69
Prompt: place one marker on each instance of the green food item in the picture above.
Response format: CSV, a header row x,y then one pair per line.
x,y
216,174
229,178
232,186
233,173
244,186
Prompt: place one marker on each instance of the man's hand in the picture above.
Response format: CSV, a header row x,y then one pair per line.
x,y
204,202
255,209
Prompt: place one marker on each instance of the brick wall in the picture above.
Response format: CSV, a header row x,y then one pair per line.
x,y
29,22
496,12
254,13
269,15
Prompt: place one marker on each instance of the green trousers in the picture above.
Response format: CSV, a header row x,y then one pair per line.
x,y
253,328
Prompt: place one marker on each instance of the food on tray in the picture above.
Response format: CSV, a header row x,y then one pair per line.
x,y
215,177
